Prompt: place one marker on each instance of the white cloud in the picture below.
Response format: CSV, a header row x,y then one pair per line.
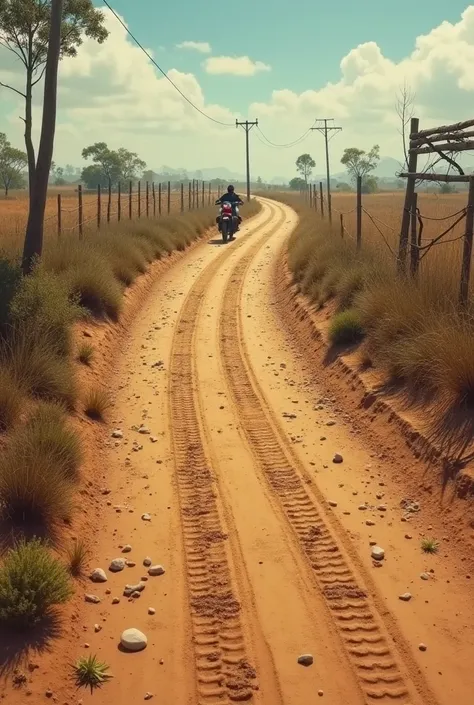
x,y
201,47
234,65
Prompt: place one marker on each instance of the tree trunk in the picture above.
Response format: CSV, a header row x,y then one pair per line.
x,y
34,230
30,150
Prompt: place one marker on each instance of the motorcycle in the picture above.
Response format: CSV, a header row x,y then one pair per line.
x,y
228,221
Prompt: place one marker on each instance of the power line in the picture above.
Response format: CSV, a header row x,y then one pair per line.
x,y
218,122
288,144
324,131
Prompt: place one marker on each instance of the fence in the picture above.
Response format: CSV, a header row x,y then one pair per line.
x,y
409,245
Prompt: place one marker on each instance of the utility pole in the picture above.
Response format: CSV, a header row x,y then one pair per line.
x,y
247,127
324,131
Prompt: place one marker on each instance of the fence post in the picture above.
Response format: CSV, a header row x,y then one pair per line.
x,y
194,193
154,198
209,196
159,198
321,198
467,249
79,195
147,200
109,202
99,206
414,251
119,201
169,197
359,212
310,195
189,196
410,190
59,216
315,198
182,197
341,215
139,199
203,192
130,194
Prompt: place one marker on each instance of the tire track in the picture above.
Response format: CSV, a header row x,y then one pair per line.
x,y
223,672
377,662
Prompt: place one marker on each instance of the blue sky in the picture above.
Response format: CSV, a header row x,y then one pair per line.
x,y
317,59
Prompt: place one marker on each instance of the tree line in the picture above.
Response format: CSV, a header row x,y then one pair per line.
x,y
358,163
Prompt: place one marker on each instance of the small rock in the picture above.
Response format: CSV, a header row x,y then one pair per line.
x,y
408,536
153,439
130,564
117,433
422,647
377,553
49,693
147,562
156,570
129,589
425,576
337,459
320,693
148,696
127,548
117,565
362,507
133,640
382,508
369,522
306,660
98,576
406,597
115,601
97,628
136,594
332,504
146,517
144,430
92,598
331,423
151,610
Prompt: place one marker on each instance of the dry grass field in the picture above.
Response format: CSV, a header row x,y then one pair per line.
x,y
14,212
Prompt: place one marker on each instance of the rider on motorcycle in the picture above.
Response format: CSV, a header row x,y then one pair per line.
x,y
230,197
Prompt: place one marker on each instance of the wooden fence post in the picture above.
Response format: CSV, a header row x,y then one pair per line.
x,y
147,200
414,251
109,202
153,192
81,220
341,215
130,195
182,197
203,192
169,197
209,196
139,199
310,194
59,216
194,193
321,198
190,198
159,198
315,198
410,190
99,206
119,201
467,249
359,212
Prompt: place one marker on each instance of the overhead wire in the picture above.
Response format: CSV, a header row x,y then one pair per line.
x,y
301,138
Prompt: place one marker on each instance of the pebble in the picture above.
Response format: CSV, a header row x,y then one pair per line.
x,y
127,548
406,597
331,423
151,610
362,507
146,517
425,576
320,693
156,570
133,640
130,564
117,565
130,589
49,693
92,598
98,576
422,647
306,660
148,696
115,601
337,459
117,433
382,508
377,553
369,522
147,562
144,430
97,628
332,504
408,536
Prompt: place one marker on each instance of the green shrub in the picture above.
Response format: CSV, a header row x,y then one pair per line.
x,y
10,400
345,327
91,673
32,582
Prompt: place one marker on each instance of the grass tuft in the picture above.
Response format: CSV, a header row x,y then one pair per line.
x,y
345,328
96,403
85,353
91,673
10,400
77,555
429,545
32,582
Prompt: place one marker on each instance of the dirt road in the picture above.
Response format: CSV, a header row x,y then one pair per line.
x,y
266,553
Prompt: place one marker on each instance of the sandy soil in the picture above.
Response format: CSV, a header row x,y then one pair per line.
x,y
267,554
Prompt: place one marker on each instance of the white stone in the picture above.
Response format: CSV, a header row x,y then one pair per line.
x,y
98,576
133,640
146,517
378,554
117,433
117,565
129,589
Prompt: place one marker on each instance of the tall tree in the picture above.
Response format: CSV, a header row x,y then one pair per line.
x,y
305,165
360,163
33,246
130,164
24,30
297,183
12,163
120,165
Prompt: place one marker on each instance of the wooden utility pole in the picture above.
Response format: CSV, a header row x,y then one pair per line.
x,y
467,249
247,127
324,130
409,194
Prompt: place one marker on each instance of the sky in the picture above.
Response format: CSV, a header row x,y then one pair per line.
x,y
285,63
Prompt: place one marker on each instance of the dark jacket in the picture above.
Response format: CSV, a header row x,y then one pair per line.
x,y
230,198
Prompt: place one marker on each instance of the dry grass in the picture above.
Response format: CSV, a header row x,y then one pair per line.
x,y
11,399
97,402
77,556
85,353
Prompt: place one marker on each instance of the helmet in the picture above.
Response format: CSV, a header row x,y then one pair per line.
x,y
230,188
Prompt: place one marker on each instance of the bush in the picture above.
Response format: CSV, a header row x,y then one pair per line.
x,y
96,403
32,582
32,490
10,279
10,400
46,434
346,327
85,353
